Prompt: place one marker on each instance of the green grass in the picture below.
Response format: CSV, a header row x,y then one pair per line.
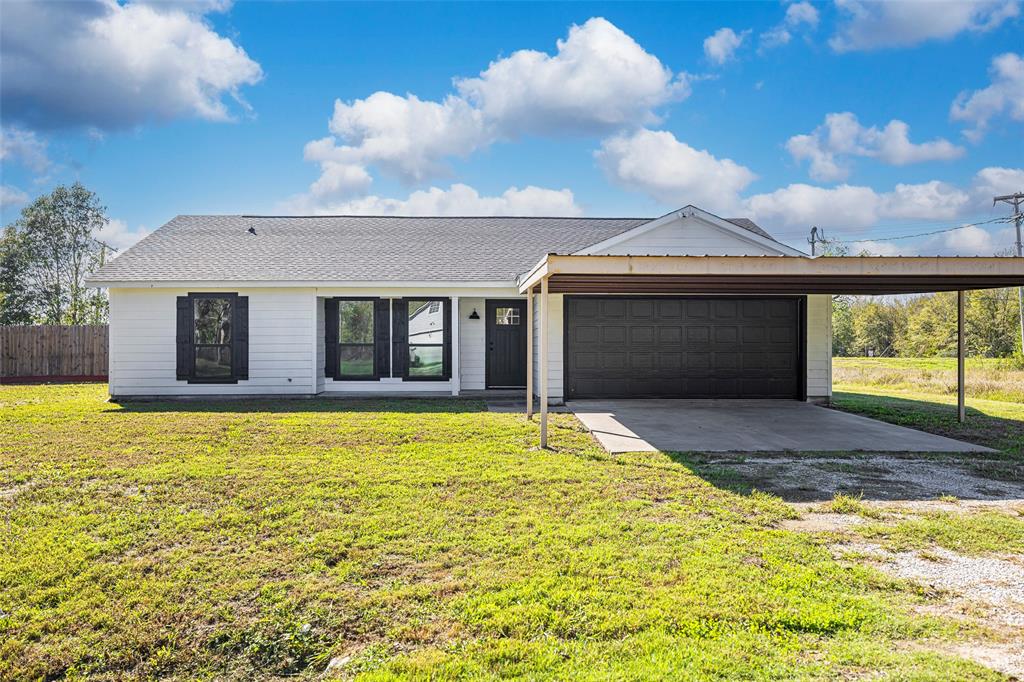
x,y
908,392
974,533
998,379
430,539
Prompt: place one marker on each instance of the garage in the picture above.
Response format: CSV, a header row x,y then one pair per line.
x,y
683,347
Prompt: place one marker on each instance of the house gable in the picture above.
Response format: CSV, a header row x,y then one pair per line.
x,y
689,232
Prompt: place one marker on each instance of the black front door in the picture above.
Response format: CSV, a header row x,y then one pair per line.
x,y
506,344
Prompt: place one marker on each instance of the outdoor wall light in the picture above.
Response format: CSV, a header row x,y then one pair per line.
x,y
474,315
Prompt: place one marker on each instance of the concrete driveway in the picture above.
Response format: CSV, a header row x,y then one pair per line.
x,y
747,426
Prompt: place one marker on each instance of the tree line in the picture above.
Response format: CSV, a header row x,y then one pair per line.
x,y
45,256
925,326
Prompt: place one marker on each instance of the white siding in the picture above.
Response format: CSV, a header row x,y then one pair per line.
x,y
143,354
472,343
819,347
555,326
687,237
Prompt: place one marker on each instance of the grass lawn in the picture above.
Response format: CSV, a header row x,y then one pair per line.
x,y
921,393
425,539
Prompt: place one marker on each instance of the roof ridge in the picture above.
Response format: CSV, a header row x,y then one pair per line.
x,y
418,217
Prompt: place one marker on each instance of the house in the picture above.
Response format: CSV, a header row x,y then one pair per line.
x,y
685,305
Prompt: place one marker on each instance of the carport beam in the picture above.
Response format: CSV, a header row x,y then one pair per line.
x,y
544,362
529,355
961,408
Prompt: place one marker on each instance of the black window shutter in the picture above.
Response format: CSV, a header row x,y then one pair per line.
x,y
183,339
400,336
447,363
381,336
240,347
331,338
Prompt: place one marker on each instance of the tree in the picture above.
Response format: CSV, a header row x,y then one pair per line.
x,y
877,326
842,326
17,302
931,327
992,323
55,235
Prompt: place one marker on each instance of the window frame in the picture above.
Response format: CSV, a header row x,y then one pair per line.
x,y
338,344
445,345
232,378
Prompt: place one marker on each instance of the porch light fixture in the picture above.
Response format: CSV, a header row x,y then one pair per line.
x,y
474,315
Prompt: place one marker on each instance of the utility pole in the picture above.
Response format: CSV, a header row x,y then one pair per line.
x,y
815,238
1015,201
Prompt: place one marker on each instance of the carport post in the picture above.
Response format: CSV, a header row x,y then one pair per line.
x,y
529,354
544,362
961,413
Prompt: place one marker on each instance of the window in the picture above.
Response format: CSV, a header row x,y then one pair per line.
x,y
506,316
356,338
212,346
426,339
355,333
213,338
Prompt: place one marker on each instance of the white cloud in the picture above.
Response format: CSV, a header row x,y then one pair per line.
x,y
878,25
801,205
599,79
721,46
798,15
842,136
849,207
117,235
801,13
11,197
25,147
925,201
106,65
996,181
672,172
405,137
1004,95
457,200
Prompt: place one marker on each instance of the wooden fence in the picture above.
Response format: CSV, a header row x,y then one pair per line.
x,y
53,353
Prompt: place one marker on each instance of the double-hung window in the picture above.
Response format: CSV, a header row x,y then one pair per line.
x,y
356,338
427,325
213,338
423,342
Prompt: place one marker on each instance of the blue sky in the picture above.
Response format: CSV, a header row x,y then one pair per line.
x,y
869,120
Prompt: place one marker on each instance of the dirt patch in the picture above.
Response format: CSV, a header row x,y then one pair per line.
x,y
872,477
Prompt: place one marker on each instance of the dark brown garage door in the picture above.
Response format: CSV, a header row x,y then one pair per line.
x,y
682,347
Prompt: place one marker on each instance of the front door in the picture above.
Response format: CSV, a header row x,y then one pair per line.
x,y
506,344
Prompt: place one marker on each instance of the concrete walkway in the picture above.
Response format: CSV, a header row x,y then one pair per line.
x,y
747,426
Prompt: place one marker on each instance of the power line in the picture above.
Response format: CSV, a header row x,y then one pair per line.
x,y
924,234
886,230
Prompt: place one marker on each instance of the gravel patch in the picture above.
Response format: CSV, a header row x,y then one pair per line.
x,y
874,478
989,588
812,522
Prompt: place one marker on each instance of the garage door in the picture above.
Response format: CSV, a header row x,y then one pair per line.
x,y
682,347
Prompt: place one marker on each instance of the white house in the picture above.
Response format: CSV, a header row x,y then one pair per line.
x,y
685,305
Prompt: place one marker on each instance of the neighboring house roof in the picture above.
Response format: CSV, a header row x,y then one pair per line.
x,y
357,248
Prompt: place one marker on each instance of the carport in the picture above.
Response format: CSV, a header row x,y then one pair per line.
x,y
766,277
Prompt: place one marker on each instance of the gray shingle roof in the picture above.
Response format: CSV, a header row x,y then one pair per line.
x,y
356,248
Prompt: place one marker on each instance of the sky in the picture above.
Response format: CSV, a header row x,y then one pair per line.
x,y
868,120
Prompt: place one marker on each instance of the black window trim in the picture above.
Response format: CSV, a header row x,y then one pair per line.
x,y
233,297
377,374
445,345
